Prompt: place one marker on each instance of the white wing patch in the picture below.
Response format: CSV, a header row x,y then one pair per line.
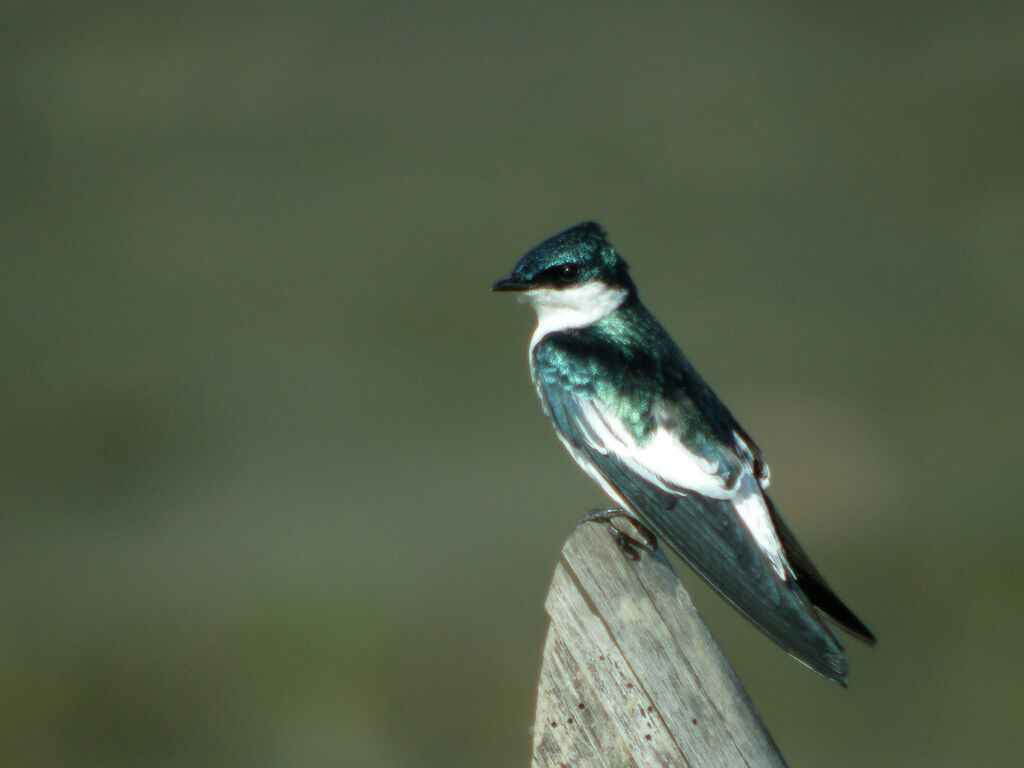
x,y
669,465
662,461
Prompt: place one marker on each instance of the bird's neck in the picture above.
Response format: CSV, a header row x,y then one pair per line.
x,y
579,306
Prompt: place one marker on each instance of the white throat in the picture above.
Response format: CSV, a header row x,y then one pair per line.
x,y
561,309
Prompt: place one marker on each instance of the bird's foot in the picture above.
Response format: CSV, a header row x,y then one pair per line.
x,y
643,539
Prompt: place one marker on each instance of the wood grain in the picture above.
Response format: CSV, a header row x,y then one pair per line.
x,y
631,675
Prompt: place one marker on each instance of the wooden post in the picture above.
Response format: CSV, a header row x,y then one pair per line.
x,y
631,675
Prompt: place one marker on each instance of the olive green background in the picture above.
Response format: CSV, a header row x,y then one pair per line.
x,y
275,488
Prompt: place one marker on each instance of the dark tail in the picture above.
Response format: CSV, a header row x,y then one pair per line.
x,y
813,584
709,536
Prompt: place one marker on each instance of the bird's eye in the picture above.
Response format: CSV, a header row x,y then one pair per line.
x,y
568,272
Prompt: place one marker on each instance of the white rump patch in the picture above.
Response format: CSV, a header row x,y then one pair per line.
x,y
750,505
748,459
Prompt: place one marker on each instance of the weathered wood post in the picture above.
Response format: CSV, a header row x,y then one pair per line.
x,y
631,675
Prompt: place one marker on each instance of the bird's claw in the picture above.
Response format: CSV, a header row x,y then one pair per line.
x,y
629,545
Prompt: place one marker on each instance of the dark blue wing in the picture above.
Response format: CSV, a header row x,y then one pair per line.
x,y
705,532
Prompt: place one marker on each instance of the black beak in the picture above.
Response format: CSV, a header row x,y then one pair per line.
x,y
508,284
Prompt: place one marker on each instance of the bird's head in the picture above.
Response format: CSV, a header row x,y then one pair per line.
x,y
578,257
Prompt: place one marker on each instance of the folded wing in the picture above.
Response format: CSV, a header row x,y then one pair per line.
x,y
702,506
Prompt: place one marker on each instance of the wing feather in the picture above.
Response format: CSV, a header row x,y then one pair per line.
x,y
689,502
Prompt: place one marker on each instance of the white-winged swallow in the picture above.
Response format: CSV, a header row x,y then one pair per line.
x,y
643,424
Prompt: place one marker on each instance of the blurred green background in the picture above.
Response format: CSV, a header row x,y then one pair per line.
x,y
275,488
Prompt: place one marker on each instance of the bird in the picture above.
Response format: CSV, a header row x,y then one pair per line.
x,y
641,422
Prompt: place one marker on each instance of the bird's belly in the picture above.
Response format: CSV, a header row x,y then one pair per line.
x,y
592,472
